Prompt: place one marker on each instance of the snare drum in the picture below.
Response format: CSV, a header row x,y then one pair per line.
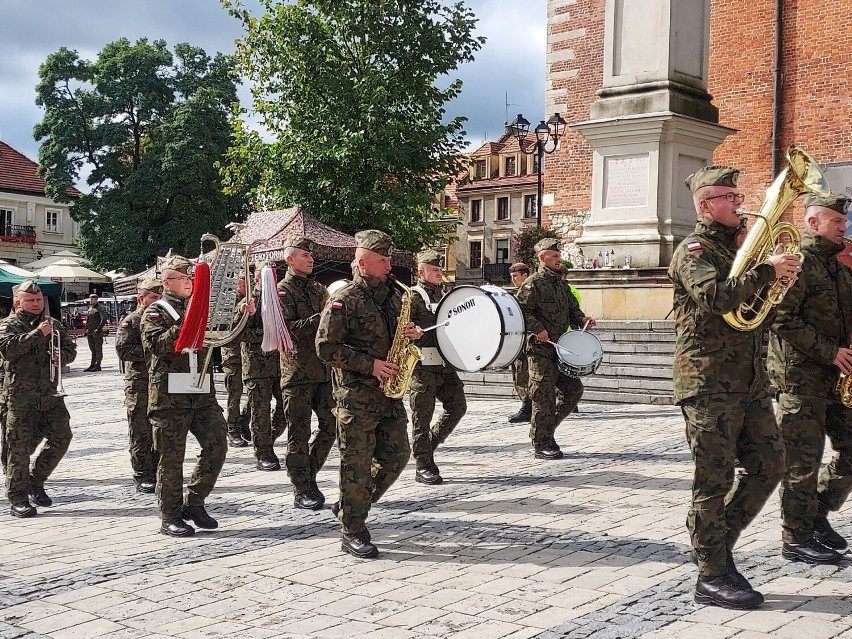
x,y
484,328
582,353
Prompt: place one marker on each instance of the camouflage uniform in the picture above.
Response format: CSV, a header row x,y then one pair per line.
x,y
721,386
232,367
813,321
33,413
173,415
548,304
96,319
261,374
128,345
357,327
429,383
305,381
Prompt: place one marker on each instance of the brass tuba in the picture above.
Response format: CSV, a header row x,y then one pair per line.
x,y
801,176
402,352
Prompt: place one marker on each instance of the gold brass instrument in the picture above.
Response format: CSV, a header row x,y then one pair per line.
x,y
402,352
801,176
56,359
843,388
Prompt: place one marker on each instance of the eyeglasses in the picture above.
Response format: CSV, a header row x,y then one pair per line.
x,y
178,277
733,198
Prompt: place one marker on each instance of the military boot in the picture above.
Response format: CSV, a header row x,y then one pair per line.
x,y
523,415
40,497
810,552
306,500
199,515
23,509
359,545
316,492
427,476
827,536
236,441
723,592
177,528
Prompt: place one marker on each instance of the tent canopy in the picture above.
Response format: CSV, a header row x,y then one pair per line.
x,y
9,279
51,259
68,270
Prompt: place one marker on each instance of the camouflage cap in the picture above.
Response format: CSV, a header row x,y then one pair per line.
x,y
375,241
519,267
547,244
835,201
29,286
14,290
712,176
430,257
177,263
91,295
150,284
299,242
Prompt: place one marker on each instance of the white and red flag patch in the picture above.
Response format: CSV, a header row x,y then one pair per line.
x,y
693,246
336,306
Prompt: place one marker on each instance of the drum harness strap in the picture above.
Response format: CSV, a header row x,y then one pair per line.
x,y
431,356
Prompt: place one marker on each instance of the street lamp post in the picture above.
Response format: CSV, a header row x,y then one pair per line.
x,y
547,136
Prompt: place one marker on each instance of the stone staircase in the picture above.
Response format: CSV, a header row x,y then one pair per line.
x,y
636,366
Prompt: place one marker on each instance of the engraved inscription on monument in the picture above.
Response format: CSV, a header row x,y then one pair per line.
x,y
626,181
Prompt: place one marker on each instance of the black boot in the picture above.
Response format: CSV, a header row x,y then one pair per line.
x,y
40,497
359,545
811,552
177,528
23,509
827,536
199,515
306,500
524,414
235,441
723,592
426,476
316,492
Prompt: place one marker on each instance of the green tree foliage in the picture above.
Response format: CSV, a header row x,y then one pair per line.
x,y
349,95
146,128
525,242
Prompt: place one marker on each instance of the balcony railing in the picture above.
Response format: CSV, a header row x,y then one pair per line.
x,y
496,272
18,233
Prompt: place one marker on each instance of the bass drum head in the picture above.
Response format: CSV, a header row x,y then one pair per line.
x,y
514,326
473,336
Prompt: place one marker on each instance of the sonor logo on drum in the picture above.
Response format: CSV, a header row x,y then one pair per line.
x,y
461,308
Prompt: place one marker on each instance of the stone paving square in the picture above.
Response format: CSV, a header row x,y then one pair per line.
x,y
509,547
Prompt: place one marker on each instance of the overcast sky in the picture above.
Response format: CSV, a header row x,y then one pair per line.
x,y
512,60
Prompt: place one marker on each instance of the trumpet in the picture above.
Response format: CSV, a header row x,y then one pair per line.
x,y
56,359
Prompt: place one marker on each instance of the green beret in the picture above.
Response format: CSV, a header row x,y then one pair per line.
x,y
712,176
177,263
547,244
834,201
29,286
519,267
299,242
430,257
375,241
150,284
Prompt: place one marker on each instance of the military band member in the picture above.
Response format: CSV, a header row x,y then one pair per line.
x,y
35,412
808,350
721,386
549,309
262,377
175,414
239,433
96,321
128,345
520,369
355,334
305,379
433,378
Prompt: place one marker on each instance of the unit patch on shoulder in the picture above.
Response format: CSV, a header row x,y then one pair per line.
x,y
336,305
125,324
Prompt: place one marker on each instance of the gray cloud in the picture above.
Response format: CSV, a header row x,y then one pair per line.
x,y
512,59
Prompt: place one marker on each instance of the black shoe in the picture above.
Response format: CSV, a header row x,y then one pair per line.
x,y
316,492
268,464
549,452
23,509
827,536
304,499
811,552
198,515
177,528
235,441
426,476
94,369
723,592
736,576
146,486
89,369
359,545
523,415
40,497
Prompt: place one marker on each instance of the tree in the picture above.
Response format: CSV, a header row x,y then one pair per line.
x,y
525,242
147,129
348,94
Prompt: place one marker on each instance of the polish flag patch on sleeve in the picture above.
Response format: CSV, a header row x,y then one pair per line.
x,y
153,315
527,287
336,306
693,246
282,293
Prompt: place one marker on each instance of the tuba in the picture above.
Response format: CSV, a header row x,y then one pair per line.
x,y
801,176
402,352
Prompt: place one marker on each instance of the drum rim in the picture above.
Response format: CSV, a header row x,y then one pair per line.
x,y
502,328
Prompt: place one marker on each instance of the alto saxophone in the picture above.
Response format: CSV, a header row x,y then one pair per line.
x,y
402,352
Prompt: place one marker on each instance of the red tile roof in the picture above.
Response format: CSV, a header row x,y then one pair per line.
x,y
19,174
498,183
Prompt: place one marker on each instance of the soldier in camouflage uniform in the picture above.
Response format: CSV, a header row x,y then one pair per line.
x,y
128,345
239,433
355,334
433,378
3,404
721,386
549,309
96,320
305,379
173,415
262,377
34,412
520,369
808,349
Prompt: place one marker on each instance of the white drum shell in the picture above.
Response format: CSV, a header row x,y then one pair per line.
x,y
586,353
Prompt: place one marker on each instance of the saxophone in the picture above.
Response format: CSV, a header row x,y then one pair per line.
x,y
402,352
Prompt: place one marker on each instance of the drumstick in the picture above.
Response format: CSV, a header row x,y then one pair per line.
x,y
586,325
432,328
562,348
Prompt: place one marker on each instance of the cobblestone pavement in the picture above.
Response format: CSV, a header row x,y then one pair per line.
x,y
593,545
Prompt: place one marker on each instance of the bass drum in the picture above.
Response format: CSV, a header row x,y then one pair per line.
x,y
479,327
